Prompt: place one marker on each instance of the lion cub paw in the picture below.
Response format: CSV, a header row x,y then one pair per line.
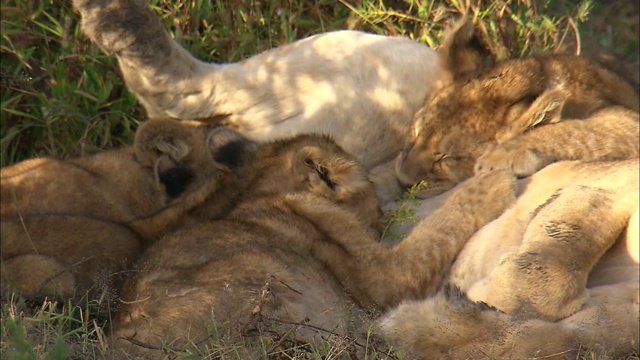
x,y
520,160
492,193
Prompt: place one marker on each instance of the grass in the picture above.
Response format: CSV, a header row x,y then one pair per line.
x,y
390,223
52,330
61,96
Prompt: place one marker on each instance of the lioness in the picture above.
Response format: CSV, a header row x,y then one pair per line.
x,y
542,259
278,261
361,89
503,115
69,225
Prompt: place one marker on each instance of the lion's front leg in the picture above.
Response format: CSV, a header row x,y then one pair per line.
x,y
609,134
450,326
382,277
514,156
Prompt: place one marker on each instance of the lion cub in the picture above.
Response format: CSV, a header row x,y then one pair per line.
x,y
519,114
69,226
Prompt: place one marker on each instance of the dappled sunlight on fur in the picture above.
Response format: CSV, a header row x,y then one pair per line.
x,y
246,215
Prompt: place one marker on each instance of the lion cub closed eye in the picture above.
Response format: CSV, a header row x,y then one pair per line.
x,y
69,225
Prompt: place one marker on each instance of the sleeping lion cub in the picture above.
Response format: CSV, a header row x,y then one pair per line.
x,y
70,226
519,114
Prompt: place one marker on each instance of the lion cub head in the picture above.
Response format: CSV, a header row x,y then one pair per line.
x,y
315,163
193,165
482,103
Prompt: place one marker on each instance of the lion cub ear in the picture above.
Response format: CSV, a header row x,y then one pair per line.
x,y
230,148
174,150
545,109
463,55
170,139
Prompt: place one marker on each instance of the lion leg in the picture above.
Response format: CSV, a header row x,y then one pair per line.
x,y
609,134
415,267
609,322
451,326
158,70
547,277
34,275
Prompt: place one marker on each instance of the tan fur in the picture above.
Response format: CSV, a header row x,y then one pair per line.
x,y
506,116
361,89
525,264
450,326
85,220
546,276
379,277
482,253
608,134
252,272
453,327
